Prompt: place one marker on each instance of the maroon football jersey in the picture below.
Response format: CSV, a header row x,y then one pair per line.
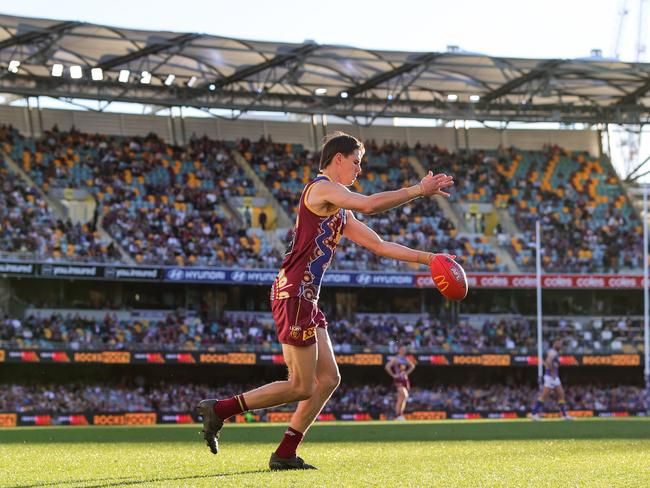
x,y
310,253
399,367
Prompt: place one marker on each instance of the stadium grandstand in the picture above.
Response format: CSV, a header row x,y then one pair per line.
x,y
137,251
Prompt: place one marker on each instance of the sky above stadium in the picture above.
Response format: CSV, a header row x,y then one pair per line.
x,y
534,29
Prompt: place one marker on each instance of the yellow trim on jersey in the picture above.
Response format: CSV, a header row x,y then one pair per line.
x,y
297,313
309,207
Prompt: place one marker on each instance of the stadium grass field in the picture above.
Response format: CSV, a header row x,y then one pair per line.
x,y
594,452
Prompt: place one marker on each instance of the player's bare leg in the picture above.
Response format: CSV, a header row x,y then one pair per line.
x,y
400,404
539,404
300,385
562,402
326,381
302,364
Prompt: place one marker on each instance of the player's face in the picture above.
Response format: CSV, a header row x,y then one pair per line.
x,y
351,167
557,345
402,351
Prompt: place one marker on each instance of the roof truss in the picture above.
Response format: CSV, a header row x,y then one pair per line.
x,y
285,78
178,41
37,35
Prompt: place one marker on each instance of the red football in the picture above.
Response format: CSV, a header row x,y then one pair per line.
x,y
449,277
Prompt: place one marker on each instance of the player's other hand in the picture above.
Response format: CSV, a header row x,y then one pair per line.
x,y
432,255
434,184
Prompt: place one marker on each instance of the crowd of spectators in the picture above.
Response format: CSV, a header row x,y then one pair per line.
x,y
375,399
588,224
417,226
176,332
286,168
29,228
381,333
164,204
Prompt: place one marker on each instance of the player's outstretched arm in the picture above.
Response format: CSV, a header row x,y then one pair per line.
x,y
339,196
389,366
361,234
411,367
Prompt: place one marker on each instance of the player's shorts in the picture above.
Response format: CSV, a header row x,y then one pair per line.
x,y
296,320
551,382
402,382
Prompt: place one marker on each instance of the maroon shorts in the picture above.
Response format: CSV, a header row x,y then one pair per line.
x,y
296,320
402,382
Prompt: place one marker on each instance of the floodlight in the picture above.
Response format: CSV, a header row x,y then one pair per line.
x,y
76,72
57,70
124,76
191,81
452,97
344,94
169,80
145,78
320,91
474,98
97,74
13,66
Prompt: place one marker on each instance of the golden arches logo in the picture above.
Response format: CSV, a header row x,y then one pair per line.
x,y
441,282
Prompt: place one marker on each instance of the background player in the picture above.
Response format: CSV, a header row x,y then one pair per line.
x,y
399,368
324,215
551,382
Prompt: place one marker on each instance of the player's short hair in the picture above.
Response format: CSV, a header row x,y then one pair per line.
x,y
338,142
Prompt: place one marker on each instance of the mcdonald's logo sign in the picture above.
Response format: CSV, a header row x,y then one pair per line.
x,y
441,282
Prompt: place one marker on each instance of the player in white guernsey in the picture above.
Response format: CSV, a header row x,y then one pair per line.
x,y
551,383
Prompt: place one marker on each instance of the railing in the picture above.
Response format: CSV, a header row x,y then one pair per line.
x,y
152,417
276,348
33,257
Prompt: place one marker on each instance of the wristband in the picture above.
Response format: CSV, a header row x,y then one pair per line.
x,y
415,191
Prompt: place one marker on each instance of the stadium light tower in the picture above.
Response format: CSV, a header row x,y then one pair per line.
x,y
646,299
538,268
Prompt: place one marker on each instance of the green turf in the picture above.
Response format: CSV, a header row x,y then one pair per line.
x,y
595,452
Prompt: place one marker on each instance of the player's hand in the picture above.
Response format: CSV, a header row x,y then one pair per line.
x,y
432,255
433,184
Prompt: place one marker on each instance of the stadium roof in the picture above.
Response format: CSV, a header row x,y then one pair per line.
x,y
358,84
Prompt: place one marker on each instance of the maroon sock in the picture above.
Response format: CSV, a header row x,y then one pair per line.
x,y
289,444
229,407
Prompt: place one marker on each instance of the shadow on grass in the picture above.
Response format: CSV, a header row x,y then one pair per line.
x,y
132,480
70,482
338,433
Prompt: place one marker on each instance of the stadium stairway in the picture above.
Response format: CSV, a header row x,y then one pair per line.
x,y
444,204
450,213
59,209
504,256
277,238
510,228
232,213
284,221
635,194
507,223
126,257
